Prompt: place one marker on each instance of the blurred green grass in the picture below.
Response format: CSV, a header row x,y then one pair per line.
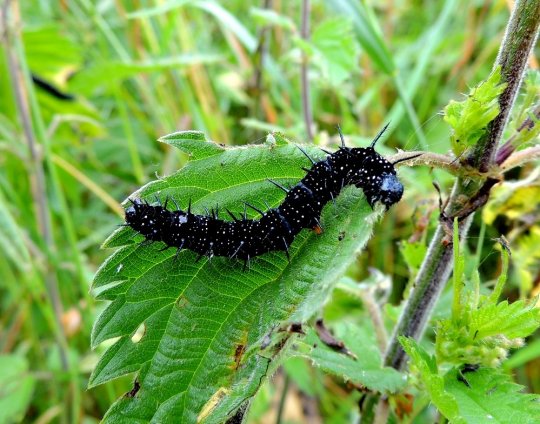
x,y
137,70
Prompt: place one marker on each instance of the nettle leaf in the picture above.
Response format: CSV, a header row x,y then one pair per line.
x,y
510,320
413,254
489,395
362,367
482,330
434,383
16,388
336,49
470,117
192,331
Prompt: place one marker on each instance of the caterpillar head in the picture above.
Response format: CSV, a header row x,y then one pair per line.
x,y
377,178
386,189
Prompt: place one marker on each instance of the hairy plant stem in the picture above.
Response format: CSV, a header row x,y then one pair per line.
x,y
519,39
468,193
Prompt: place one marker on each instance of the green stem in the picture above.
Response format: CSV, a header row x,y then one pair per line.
x,y
457,274
501,281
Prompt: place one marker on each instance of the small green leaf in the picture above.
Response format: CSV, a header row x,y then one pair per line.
x,y
194,143
413,253
16,388
444,401
510,320
366,369
480,330
489,396
367,31
12,241
336,48
469,118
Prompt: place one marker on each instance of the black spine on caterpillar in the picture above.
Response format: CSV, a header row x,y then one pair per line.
x,y
276,229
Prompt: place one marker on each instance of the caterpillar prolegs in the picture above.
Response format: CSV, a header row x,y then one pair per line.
x,y
276,229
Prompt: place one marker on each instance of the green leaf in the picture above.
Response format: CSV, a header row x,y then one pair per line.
x,y
485,335
480,330
12,241
511,320
193,143
413,253
444,401
337,50
202,323
366,369
367,31
470,117
49,52
491,396
16,388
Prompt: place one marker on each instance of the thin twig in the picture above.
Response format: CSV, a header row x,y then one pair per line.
x,y
521,157
435,160
306,102
374,312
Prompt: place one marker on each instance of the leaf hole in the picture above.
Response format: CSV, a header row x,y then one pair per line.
x,y
139,333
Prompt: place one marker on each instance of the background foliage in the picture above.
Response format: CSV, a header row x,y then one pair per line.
x,y
132,71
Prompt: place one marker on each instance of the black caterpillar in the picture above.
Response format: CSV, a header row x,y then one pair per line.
x,y
277,228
